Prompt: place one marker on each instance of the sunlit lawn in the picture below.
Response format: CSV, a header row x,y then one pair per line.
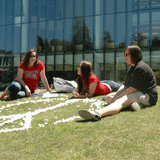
x,y
43,128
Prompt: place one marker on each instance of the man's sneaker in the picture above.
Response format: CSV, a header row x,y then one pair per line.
x,y
136,106
89,115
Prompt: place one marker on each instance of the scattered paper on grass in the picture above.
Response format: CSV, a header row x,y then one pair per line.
x,y
27,101
70,119
28,117
49,95
42,125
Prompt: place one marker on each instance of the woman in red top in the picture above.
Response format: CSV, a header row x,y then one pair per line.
x,y
28,75
88,83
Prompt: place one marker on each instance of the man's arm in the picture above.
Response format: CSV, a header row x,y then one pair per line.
x,y
123,91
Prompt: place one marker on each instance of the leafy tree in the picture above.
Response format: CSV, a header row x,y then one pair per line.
x,y
81,35
155,42
107,40
56,43
121,45
139,39
40,44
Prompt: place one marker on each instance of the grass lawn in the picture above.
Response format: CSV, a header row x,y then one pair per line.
x,y
50,129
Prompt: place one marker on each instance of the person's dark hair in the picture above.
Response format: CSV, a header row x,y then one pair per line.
x,y
28,56
135,52
86,71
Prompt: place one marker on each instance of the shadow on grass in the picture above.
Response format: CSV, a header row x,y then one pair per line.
x,y
128,109
85,121
85,97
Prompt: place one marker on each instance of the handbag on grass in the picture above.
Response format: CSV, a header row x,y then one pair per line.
x,y
63,85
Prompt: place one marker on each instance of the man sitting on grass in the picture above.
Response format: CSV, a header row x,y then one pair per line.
x,y
138,90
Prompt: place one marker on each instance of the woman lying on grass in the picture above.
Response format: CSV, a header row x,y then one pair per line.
x,y
28,75
89,85
139,88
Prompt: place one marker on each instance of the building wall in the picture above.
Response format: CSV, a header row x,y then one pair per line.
x,y
65,32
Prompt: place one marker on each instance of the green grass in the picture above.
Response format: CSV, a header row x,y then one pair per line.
x,y
126,135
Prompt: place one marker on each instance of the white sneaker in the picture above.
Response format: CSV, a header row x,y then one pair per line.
x,y
136,106
90,115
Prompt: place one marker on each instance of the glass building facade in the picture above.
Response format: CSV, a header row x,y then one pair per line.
x,y
65,32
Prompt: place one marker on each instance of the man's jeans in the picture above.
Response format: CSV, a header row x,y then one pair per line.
x,y
114,85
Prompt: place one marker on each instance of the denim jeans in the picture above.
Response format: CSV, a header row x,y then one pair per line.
x,y
114,85
16,90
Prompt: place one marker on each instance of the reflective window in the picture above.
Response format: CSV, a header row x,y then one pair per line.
x,y
88,34
120,30
59,35
146,57
9,38
50,10
116,23
42,57
155,64
88,10
17,11
109,6
68,8
50,34
78,33
98,63
2,38
143,4
120,5
131,5
98,7
50,62
88,56
78,57
25,11
33,10
155,3
121,66
69,61
58,9
24,45
155,30
109,31
2,12
109,73
32,35
41,10
59,61
68,34
42,44
98,32
143,35
78,8
17,61
17,39
9,11
131,28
